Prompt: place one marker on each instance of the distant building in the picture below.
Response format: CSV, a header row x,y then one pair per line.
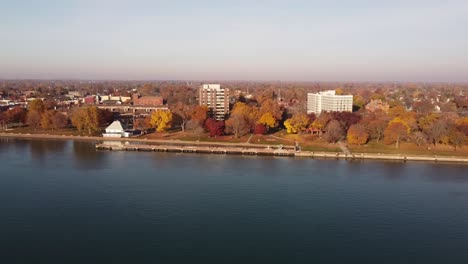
x,y
216,99
117,99
147,100
378,104
328,101
115,130
74,94
92,99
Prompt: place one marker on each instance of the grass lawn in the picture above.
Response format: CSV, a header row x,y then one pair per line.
x,y
409,148
186,136
64,131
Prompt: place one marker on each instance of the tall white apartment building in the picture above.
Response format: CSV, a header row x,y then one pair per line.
x,y
216,98
329,101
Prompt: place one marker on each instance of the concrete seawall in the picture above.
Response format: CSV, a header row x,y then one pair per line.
x,y
277,152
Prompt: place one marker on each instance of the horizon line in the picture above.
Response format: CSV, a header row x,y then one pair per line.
x,y
231,80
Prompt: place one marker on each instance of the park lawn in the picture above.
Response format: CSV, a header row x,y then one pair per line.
x,y
187,136
409,148
59,132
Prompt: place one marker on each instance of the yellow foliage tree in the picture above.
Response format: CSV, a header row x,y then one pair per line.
x,y
339,91
396,130
402,121
86,119
268,120
462,121
296,124
161,120
272,107
321,122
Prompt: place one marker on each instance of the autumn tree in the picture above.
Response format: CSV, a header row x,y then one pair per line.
x,y
36,109
346,118
462,125
142,123
419,138
358,102
375,124
215,127
86,119
36,105
46,119
438,130
456,138
52,119
200,114
105,117
396,131
161,120
238,122
16,115
376,129
59,120
334,131
268,120
260,129
238,125
424,107
297,123
33,119
357,135
183,113
269,109
321,122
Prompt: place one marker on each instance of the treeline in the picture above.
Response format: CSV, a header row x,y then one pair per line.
x,y
244,118
41,115
394,127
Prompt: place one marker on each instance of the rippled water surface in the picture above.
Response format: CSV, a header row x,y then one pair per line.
x,y
65,202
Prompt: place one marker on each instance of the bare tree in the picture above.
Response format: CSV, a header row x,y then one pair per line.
x,y
334,132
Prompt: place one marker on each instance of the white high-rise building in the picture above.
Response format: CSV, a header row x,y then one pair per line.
x,y
328,101
216,98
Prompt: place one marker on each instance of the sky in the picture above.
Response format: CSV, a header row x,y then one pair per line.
x,y
290,40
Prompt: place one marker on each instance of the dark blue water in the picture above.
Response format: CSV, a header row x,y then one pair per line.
x,y
64,202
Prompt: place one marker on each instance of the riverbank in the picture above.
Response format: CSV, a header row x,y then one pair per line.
x,y
138,144
138,140
237,150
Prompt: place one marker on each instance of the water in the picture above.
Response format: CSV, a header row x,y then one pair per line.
x,y
64,202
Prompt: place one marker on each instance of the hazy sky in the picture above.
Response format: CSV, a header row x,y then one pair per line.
x,y
359,40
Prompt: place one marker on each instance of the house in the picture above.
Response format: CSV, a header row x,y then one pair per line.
x,y
378,104
115,130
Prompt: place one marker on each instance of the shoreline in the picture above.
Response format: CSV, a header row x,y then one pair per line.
x,y
233,148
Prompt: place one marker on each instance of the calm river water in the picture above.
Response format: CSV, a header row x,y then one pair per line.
x,y
65,202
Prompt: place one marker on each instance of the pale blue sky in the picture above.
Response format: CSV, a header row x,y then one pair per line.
x,y
361,40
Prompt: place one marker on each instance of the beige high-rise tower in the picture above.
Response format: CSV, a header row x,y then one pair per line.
x,y
216,99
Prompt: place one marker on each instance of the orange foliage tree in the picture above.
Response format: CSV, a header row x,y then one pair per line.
x,y
396,131
357,135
